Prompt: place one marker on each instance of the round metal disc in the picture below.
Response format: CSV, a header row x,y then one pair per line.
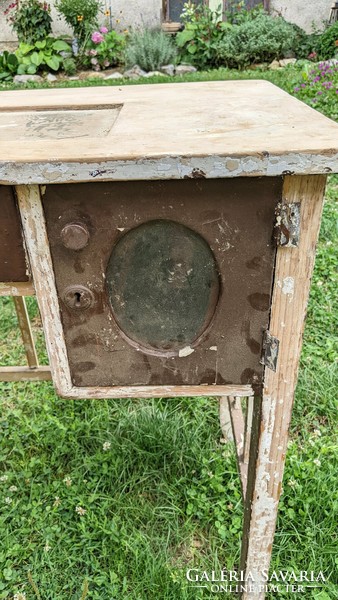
x,y
163,286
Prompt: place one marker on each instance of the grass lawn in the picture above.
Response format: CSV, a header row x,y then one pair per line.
x,y
123,496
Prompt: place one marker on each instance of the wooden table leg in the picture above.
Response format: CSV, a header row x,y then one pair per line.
x,y
272,414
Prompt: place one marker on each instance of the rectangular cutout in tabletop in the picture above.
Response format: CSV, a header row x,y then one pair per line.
x,y
57,124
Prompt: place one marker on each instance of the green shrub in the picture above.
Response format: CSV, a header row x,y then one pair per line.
x,y
237,12
306,44
105,49
327,47
43,55
8,66
81,16
32,21
261,40
150,49
204,29
69,66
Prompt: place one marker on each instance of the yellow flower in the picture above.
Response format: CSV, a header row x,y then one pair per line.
x,y
107,13
80,18
117,20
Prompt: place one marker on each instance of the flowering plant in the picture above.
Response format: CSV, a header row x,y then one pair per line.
x,y
81,15
319,87
105,49
31,20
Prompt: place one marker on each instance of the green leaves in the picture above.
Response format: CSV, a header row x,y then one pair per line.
x,y
183,37
61,46
44,54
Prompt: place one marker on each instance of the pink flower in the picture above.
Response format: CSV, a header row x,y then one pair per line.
x,y
94,61
97,37
93,52
103,29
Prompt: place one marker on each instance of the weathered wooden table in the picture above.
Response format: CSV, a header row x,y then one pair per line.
x,y
171,234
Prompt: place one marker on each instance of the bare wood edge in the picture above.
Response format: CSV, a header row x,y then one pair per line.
x,y
9,374
238,426
26,331
17,288
293,272
156,391
225,419
248,428
34,227
36,239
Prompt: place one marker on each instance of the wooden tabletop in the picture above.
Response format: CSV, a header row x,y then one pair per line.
x,y
164,131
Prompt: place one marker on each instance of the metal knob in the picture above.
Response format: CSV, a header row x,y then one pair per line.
x,y
75,236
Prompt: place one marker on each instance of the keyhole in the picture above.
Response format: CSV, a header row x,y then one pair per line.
x,y
77,296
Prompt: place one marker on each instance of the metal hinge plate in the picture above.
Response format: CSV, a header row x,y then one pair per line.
x,y
270,351
287,225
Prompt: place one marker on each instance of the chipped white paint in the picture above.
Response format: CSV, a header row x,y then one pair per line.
x,y
42,269
170,167
291,264
17,288
250,128
185,351
288,286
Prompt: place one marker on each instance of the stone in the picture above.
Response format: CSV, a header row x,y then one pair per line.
x,y
154,74
51,78
284,62
96,75
134,73
74,78
274,65
116,75
168,70
26,78
184,69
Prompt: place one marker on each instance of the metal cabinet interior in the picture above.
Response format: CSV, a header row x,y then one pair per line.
x,y
13,264
171,283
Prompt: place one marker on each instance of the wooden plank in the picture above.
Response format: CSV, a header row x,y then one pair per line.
x,y
17,288
237,423
270,432
26,331
42,269
225,419
41,373
248,428
258,130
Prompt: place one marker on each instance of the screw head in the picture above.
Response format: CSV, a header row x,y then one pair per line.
x,y
75,236
78,297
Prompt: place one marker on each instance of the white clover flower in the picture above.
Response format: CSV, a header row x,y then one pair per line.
x,y
8,500
47,547
57,501
317,433
80,511
292,483
67,480
3,477
20,596
13,488
106,446
317,462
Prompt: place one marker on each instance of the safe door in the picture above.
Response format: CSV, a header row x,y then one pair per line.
x,y
163,282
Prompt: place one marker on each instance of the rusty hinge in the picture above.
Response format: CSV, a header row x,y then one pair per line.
x,y
270,351
287,225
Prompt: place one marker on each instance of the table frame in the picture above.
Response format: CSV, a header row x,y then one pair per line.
x,y
261,436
